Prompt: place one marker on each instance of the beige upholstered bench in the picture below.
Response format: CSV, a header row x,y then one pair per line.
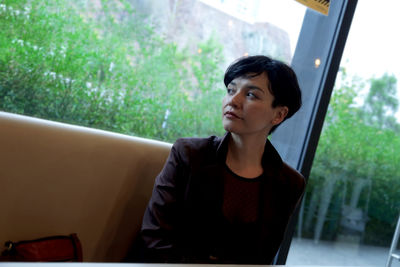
x,y
57,179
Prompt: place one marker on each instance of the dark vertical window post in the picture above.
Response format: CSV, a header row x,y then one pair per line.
x,y
316,62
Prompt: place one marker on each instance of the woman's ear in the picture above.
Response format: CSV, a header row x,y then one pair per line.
x,y
280,114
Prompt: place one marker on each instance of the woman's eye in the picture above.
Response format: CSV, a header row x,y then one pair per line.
x,y
251,95
229,91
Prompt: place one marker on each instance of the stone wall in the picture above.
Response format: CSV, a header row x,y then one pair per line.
x,y
188,22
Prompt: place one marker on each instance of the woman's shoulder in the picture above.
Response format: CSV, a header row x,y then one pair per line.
x,y
297,180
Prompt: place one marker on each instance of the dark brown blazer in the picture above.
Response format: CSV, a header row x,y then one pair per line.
x,y
183,220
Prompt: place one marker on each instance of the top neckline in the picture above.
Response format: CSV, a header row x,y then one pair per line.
x,y
254,179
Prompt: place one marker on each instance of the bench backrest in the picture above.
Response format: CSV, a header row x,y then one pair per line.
x,y
57,179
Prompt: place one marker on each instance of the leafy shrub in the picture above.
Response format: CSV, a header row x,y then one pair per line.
x,y
106,67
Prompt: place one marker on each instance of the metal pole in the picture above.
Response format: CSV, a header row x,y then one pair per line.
x,y
394,244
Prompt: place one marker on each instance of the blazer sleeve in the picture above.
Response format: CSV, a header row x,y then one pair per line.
x,y
161,215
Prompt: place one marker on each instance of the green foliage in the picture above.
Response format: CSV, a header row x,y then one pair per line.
x,y
353,146
381,102
105,66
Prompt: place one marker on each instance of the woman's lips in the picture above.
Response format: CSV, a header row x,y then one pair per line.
x,y
231,115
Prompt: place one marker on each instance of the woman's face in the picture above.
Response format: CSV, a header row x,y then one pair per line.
x,y
247,106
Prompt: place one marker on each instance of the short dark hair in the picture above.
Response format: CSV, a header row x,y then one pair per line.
x,y
283,80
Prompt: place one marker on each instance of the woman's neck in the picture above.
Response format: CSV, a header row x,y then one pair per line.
x,y
245,154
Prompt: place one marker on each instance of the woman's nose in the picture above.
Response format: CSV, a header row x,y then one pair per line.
x,y
236,100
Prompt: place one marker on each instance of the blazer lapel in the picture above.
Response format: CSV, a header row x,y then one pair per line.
x,y
271,198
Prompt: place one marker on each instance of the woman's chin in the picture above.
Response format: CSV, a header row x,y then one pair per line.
x,y
227,126
230,128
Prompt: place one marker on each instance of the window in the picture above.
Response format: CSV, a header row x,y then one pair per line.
x,y
146,68
351,206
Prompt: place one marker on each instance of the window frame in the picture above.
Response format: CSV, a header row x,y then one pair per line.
x,y
321,37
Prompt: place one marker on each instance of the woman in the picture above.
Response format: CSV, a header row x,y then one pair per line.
x,y
229,199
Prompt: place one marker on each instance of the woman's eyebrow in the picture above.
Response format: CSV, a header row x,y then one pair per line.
x,y
250,86
253,87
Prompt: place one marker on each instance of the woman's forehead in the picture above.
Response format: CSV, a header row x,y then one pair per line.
x,y
260,78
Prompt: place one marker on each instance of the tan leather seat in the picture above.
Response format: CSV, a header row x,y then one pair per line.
x,y
58,179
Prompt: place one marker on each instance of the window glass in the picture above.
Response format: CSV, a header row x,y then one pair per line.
x,y
145,68
352,203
